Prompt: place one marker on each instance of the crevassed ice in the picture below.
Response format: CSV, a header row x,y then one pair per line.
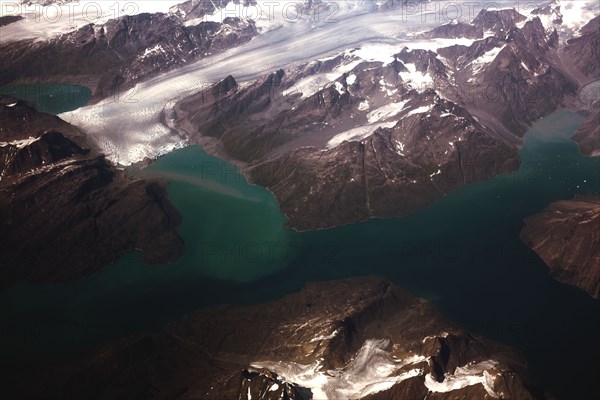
x,y
130,129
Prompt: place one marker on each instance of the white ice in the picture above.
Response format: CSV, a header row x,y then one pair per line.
x,y
385,112
371,370
469,375
20,143
486,58
128,125
416,79
358,133
44,22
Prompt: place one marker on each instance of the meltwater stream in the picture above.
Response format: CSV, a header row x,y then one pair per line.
x,y
462,253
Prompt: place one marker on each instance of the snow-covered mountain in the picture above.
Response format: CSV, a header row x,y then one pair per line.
x,y
396,111
113,56
360,338
380,131
64,210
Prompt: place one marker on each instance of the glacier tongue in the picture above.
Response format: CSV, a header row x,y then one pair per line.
x,y
129,128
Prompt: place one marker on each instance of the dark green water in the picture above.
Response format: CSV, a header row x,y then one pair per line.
x,y
50,97
462,253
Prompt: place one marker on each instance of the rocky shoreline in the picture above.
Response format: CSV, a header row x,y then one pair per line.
x,y
363,145
66,211
359,338
566,235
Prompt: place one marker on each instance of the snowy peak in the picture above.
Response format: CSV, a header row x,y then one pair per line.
x,y
497,20
360,338
388,133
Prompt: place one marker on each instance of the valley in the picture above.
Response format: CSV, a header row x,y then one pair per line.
x,y
302,200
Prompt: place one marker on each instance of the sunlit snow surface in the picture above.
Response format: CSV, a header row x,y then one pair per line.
x,y
128,128
372,370
46,21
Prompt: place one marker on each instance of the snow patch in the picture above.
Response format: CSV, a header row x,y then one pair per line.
x,y
420,110
358,133
486,58
20,143
416,79
339,87
364,105
312,84
371,370
469,375
274,388
386,112
439,171
328,337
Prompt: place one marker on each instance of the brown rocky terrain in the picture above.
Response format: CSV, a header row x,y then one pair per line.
x,y
583,52
64,210
588,135
113,57
360,338
385,139
9,19
566,236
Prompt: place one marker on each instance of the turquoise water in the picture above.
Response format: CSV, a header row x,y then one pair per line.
x,y
53,98
462,253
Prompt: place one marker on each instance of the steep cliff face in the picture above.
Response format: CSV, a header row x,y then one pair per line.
x,y
498,20
584,50
193,9
455,30
345,139
112,57
360,338
9,19
583,53
567,237
65,212
588,135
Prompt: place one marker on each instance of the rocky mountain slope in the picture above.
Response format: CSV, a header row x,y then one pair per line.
x,y
566,236
360,338
112,57
349,137
9,19
588,135
583,52
64,210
